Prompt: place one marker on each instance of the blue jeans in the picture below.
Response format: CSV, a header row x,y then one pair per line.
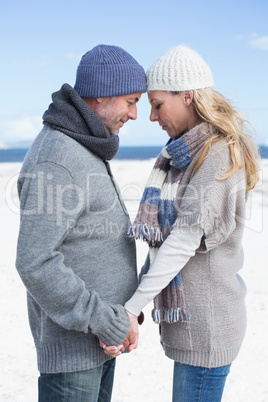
x,y
93,385
198,384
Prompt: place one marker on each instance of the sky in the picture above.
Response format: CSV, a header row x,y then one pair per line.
x,y
42,44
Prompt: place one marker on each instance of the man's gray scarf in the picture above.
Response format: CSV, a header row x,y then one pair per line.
x,y
72,116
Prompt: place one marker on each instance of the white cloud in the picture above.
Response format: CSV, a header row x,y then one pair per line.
x,y
240,37
24,128
74,56
260,43
3,145
254,40
41,62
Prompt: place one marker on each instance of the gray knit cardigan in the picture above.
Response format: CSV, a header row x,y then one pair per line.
x,y
73,254
214,291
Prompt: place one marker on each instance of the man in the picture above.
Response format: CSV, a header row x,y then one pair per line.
x,y
73,254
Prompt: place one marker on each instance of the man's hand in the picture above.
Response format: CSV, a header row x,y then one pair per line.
x,y
130,342
113,351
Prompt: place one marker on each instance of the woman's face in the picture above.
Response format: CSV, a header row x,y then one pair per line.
x,y
171,111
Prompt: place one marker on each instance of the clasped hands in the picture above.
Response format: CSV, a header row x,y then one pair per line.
x,y
130,342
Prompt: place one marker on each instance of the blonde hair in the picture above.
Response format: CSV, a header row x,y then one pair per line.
x,y
226,122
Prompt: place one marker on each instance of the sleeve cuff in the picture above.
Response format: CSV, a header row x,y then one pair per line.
x,y
116,327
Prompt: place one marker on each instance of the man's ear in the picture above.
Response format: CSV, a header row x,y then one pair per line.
x,y
102,100
188,97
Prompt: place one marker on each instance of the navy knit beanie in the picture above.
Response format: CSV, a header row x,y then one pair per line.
x,y
108,71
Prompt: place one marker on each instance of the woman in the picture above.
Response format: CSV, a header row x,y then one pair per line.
x,y
192,216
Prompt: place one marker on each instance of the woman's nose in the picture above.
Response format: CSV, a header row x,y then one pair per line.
x,y
153,115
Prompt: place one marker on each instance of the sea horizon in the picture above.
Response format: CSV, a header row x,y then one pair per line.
x,y
124,152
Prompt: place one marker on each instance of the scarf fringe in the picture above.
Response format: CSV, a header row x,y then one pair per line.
x,y
144,232
159,213
170,315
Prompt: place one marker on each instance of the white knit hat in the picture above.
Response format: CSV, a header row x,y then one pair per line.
x,y
179,69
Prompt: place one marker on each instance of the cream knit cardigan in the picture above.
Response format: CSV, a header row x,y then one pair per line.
x,y
214,291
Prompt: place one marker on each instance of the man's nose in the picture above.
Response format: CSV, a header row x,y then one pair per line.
x,y
132,114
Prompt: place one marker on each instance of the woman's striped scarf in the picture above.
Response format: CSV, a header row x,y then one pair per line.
x,y
157,214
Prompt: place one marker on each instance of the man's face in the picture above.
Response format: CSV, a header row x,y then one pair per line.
x,y
116,111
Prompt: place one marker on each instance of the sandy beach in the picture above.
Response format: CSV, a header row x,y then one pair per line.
x,y
145,374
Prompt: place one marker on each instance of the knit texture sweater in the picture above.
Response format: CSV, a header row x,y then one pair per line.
x,y
214,291
73,254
